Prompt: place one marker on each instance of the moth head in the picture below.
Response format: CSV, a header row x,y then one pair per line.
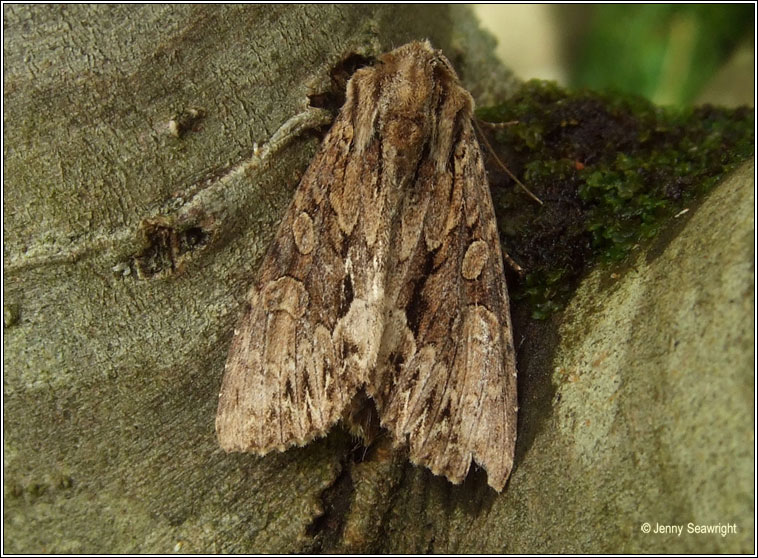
x,y
415,79
411,93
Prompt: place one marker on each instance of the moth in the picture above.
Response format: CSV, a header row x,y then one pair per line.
x,y
385,281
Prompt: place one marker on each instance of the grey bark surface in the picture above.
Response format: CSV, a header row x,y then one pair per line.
x,y
129,246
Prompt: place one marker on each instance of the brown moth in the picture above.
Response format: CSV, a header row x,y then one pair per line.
x,y
385,280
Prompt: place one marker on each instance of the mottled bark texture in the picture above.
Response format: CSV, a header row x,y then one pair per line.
x,y
150,152
130,243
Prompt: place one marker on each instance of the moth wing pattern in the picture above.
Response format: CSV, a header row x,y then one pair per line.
x,y
386,275
301,350
446,378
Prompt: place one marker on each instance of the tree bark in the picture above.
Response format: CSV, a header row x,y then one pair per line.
x,y
150,152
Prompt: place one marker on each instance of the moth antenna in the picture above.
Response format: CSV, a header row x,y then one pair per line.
x,y
503,165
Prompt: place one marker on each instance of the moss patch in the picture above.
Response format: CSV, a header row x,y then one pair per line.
x,y
612,171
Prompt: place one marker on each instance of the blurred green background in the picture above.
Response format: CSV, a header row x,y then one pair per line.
x,y
672,54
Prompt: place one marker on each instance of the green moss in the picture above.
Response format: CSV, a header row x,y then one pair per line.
x,y
612,171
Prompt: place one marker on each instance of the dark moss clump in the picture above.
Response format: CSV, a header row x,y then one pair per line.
x,y
611,171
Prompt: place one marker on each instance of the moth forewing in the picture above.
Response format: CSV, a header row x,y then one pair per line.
x,y
385,276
